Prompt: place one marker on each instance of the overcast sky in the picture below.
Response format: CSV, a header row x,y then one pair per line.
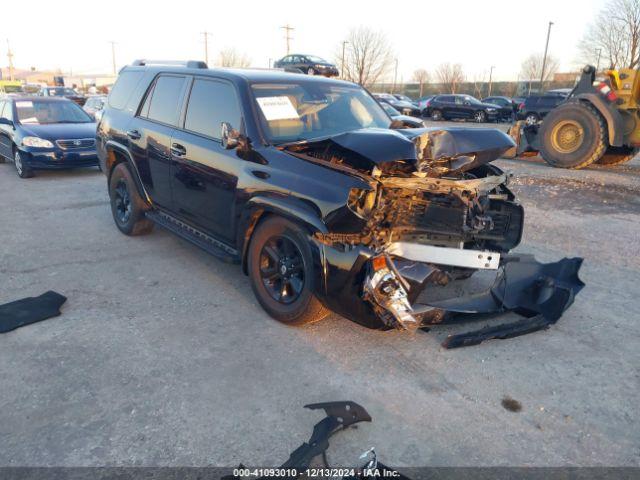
x,y
74,35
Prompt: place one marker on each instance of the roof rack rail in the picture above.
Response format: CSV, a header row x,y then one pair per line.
x,y
176,63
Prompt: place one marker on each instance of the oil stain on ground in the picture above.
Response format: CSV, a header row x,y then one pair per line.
x,y
510,404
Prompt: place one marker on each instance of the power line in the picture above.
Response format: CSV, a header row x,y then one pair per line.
x,y
288,29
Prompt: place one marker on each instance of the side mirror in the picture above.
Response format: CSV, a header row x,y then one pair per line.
x,y
230,136
467,103
6,121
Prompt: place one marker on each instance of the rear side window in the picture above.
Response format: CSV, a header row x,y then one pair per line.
x,y
211,102
165,99
125,85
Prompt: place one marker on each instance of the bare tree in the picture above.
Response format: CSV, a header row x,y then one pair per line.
x,y
614,36
368,56
230,57
531,69
450,75
421,76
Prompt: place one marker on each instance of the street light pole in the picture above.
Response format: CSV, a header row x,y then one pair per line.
x,y
395,77
342,64
206,46
490,78
598,64
544,59
113,56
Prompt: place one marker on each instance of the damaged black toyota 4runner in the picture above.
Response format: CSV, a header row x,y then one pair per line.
x,y
326,202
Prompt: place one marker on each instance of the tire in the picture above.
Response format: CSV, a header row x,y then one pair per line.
x,y
127,207
311,71
618,155
436,115
532,119
21,169
479,117
573,135
278,244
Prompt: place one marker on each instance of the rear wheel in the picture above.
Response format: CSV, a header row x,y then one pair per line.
x,y
436,115
532,119
618,155
282,274
573,136
127,206
311,71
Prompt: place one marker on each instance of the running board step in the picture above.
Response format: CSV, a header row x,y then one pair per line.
x,y
195,236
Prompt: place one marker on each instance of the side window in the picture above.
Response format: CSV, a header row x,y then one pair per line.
x,y
8,111
165,98
459,100
1,107
212,102
125,85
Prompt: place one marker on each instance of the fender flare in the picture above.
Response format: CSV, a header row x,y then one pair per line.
x,y
124,151
259,205
615,123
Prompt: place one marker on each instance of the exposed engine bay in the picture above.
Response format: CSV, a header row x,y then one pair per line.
x,y
435,208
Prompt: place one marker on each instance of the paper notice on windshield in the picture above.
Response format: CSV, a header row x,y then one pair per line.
x,y
277,108
24,104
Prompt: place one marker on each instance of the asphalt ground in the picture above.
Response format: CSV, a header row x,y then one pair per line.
x,y
162,356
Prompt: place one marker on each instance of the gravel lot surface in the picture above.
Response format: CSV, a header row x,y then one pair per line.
x,y
162,355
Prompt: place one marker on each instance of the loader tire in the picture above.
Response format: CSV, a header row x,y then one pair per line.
x,y
618,155
573,135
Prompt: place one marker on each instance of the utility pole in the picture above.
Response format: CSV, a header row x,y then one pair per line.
x,y
395,77
288,29
113,56
10,57
490,78
342,64
206,46
544,59
598,64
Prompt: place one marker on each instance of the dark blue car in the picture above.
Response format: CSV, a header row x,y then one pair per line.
x,y
46,133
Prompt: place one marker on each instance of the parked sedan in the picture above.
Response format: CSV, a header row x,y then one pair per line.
x,y
408,121
309,64
535,107
448,107
406,108
423,104
507,107
46,133
65,92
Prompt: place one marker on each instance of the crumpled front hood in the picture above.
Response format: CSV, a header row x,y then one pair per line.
x,y
418,149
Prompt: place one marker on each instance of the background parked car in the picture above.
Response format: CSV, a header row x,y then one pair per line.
x,y
423,104
408,121
94,105
46,133
507,107
536,107
404,98
65,92
406,108
447,107
309,64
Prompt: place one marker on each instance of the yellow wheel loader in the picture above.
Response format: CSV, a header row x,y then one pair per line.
x,y
598,123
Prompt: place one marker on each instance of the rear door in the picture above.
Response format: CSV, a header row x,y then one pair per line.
x,y
150,135
204,174
7,132
449,107
3,132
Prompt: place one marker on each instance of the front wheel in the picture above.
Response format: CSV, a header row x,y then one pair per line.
x,y
282,273
573,136
480,117
21,168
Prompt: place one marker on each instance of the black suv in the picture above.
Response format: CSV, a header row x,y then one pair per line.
x,y
536,107
306,183
449,107
309,64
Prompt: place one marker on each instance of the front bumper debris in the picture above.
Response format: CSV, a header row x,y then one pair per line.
x,y
540,292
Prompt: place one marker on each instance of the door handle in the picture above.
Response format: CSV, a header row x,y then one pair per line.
x,y
260,174
178,150
134,134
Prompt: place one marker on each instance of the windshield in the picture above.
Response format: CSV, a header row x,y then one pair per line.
x,y
13,89
389,109
309,110
38,112
315,59
61,92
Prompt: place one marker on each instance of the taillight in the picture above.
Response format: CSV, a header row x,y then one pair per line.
x,y
521,106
